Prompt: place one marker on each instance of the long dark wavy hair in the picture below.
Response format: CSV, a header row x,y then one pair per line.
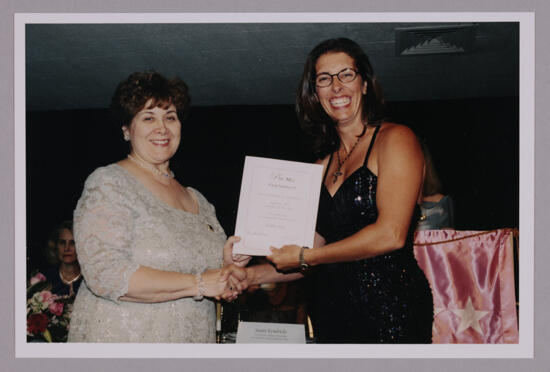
x,y
314,121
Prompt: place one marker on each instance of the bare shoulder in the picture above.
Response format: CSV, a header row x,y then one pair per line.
x,y
392,132
398,142
393,137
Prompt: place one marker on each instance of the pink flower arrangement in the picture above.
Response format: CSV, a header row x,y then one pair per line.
x,y
40,301
37,323
39,277
48,315
46,298
56,308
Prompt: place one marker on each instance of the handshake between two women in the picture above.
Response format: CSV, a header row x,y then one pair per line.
x,y
232,276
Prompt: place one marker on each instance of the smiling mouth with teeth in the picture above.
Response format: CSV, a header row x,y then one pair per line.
x,y
160,142
341,101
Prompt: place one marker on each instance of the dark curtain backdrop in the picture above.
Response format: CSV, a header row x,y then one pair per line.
x,y
474,144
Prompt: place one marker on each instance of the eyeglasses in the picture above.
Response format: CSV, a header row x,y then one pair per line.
x,y
324,79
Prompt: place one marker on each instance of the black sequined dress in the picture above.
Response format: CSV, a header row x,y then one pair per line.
x,y
384,299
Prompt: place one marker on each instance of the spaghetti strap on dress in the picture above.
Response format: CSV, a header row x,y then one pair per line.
x,y
383,299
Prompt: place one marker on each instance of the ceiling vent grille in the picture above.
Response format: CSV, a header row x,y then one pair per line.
x,y
412,41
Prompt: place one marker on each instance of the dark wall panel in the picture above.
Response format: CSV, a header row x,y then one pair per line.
x,y
475,146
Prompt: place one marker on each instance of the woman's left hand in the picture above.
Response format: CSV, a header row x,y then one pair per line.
x,y
233,259
285,258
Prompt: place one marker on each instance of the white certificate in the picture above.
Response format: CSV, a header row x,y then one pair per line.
x,y
278,205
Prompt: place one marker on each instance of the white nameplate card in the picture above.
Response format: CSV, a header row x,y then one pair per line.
x,y
270,333
277,206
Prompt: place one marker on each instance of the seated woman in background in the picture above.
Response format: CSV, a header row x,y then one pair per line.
x,y
436,210
64,275
51,293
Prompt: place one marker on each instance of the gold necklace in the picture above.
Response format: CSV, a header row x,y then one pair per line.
x,y
67,281
338,173
149,167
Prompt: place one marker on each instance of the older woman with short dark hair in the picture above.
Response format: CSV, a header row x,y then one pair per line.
x,y
150,248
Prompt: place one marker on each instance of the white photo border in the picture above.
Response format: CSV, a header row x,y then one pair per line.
x,y
525,347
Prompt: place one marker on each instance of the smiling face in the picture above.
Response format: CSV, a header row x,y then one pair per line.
x,y
66,252
341,101
154,133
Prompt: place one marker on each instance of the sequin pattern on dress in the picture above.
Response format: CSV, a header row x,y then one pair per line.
x,y
384,299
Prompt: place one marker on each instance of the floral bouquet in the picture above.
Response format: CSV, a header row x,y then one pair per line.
x,y
48,315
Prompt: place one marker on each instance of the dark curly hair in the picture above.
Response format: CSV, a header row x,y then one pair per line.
x,y
136,90
313,119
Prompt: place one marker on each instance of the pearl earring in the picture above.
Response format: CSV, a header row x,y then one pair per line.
x,y
126,137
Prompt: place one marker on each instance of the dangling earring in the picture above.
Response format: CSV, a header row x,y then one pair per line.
x,y
126,136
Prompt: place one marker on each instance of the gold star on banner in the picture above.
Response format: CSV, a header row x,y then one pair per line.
x,y
437,310
469,317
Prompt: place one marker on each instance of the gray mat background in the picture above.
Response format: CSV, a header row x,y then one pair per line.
x,y
8,362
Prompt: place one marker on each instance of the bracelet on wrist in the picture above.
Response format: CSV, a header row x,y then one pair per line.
x,y
200,287
304,267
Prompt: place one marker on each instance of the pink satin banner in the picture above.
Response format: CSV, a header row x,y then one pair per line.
x,y
471,274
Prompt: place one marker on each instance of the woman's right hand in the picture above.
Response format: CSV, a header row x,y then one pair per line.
x,y
227,282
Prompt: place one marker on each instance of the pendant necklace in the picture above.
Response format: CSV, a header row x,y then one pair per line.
x,y
149,167
338,172
69,282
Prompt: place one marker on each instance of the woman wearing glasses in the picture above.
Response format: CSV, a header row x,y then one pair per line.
x,y
367,286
